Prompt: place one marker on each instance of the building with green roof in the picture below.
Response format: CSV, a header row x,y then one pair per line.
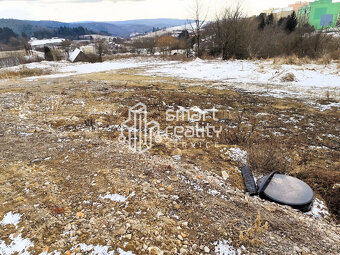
x,y
320,14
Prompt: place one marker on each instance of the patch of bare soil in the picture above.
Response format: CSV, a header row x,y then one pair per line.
x,y
63,169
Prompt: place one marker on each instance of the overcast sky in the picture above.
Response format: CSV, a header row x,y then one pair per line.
x,y
112,10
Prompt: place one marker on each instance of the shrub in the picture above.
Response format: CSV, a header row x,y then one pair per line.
x,y
232,34
241,135
250,236
93,58
268,157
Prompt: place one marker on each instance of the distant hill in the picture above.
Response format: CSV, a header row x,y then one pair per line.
x,y
161,23
116,28
19,26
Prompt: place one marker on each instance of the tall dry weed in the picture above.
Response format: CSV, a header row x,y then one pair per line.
x,y
24,72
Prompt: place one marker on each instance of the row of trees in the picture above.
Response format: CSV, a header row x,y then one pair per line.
x,y
233,35
72,33
10,40
165,43
288,23
6,34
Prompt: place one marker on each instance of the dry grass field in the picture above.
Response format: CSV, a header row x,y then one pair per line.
x,y
60,162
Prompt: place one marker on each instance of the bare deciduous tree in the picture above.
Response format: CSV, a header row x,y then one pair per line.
x,y
167,43
101,47
148,43
199,17
230,32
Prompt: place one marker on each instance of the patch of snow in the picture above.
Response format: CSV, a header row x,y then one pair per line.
x,y
177,157
198,61
122,252
238,170
214,192
329,106
262,114
238,155
175,197
224,248
319,209
11,219
17,245
25,134
318,147
114,197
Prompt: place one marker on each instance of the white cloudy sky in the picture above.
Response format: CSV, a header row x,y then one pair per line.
x,y
111,10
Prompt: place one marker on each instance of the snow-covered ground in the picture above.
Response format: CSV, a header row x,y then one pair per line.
x,y
245,71
259,76
64,69
310,80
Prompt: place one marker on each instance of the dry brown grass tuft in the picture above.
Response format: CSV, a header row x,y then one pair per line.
x,y
121,56
178,57
325,60
295,60
288,77
268,157
241,135
291,60
335,55
24,72
249,236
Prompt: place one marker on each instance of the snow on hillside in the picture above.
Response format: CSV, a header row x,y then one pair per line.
x,y
310,80
170,30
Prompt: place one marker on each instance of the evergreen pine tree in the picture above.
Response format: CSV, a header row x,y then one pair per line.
x,y
291,22
270,19
262,21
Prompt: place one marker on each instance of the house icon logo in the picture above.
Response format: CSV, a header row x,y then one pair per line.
x,y
137,131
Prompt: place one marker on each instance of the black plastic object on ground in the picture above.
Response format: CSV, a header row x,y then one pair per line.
x,y
265,180
249,180
286,190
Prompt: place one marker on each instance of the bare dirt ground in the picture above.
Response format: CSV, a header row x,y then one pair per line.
x,y
60,160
